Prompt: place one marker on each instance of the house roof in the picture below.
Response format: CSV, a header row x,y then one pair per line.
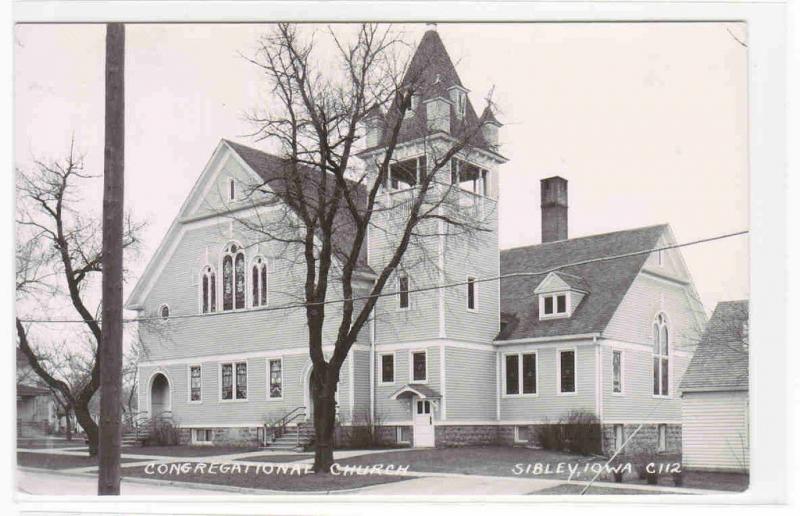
x,y
432,74
720,361
606,281
276,173
26,391
415,389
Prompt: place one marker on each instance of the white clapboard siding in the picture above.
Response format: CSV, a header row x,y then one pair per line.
x,y
715,430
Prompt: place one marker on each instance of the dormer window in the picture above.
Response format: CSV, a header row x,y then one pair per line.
x,y
554,304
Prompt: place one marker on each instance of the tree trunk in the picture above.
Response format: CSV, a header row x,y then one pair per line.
x,y
324,399
108,478
87,423
68,423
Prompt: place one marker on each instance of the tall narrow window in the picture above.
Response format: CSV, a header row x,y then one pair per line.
x,y
387,368
241,381
471,299
619,436
566,371
529,373
419,366
233,278
231,189
548,305
616,372
227,381
402,291
195,383
512,374
258,282
208,291
275,378
660,356
662,437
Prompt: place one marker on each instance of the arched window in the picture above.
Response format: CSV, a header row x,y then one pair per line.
x,y
660,356
208,290
233,278
163,311
258,281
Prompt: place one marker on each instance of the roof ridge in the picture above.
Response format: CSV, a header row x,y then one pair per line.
x,y
586,236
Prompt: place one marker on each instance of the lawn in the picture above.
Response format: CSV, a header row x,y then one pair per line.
x,y
50,443
272,479
278,458
575,489
53,461
501,461
187,451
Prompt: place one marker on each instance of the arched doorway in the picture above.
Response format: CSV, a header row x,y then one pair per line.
x,y
308,400
160,396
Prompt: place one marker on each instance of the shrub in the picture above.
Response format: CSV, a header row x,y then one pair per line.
x,y
581,430
677,478
363,432
163,432
646,465
549,436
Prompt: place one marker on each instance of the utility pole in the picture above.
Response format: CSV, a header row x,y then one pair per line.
x,y
110,352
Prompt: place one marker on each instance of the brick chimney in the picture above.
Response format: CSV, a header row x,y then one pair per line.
x,y
554,209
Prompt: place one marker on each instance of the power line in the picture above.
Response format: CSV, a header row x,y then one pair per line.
x,y
293,306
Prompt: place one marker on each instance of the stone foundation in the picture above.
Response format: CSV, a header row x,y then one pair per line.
x,y
225,436
645,440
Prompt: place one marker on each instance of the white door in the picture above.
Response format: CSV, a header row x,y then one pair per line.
x,y
423,424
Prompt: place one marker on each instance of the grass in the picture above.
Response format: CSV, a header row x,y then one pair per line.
x,y
187,451
53,461
575,489
248,477
501,461
37,444
278,458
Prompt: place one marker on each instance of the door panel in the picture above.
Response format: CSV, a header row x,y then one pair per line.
x,y
424,433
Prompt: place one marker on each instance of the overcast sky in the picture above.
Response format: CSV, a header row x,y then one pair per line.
x,y
648,122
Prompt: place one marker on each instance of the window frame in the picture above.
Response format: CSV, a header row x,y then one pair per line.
x,y
559,351
662,442
400,306
268,365
189,383
198,442
411,353
234,388
161,308
520,374
232,190
394,368
399,434
226,252
472,281
553,296
208,271
621,372
662,321
263,288
517,440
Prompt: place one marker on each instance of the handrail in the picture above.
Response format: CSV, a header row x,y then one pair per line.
x,y
279,425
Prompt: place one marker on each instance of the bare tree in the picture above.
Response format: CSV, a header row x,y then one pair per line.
x,y
320,203
58,254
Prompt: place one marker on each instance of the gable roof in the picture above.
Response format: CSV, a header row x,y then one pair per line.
x,y
720,361
432,73
606,281
276,173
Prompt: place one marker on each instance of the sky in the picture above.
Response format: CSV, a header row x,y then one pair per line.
x,y
647,121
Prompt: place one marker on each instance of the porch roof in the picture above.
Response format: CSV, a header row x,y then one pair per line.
x,y
414,389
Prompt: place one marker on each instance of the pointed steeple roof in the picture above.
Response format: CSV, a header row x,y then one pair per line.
x,y
431,74
488,116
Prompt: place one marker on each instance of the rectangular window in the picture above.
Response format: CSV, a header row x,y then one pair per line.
x,y
241,381
619,436
234,381
521,374
387,368
403,434
561,304
402,291
566,373
419,366
227,381
203,435
195,377
662,438
512,374
616,372
275,378
522,434
471,298
548,305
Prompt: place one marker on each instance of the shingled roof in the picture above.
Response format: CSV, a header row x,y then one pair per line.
x,y
275,173
720,361
606,281
431,73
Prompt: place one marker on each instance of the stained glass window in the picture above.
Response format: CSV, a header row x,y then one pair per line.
x,y
616,371
208,290
241,381
227,283
275,379
239,280
227,381
660,356
195,383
